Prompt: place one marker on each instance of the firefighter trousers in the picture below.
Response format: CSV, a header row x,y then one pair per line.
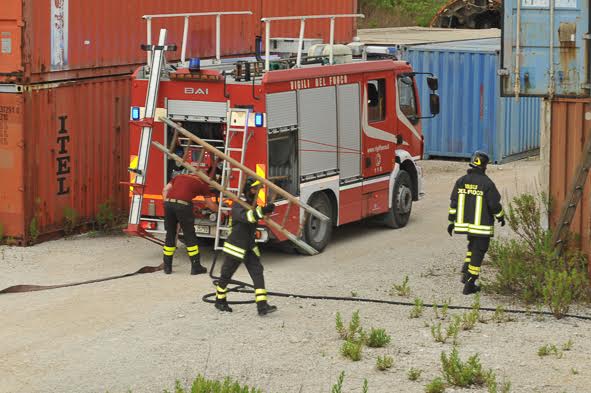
x,y
477,248
253,265
174,214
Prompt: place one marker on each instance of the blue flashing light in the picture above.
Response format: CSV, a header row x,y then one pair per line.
x,y
392,50
194,64
258,119
135,113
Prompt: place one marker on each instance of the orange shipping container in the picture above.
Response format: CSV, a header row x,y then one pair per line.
x,y
62,146
571,128
55,40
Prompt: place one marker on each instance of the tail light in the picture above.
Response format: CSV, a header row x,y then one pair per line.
x,y
149,225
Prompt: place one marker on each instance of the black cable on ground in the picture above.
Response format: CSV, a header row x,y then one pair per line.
x,y
241,288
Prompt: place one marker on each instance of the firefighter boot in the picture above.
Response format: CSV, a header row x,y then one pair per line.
x,y
167,264
265,308
470,286
221,303
196,267
465,272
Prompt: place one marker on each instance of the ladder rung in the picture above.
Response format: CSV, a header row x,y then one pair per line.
x,y
232,189
223,228
234,149
235,129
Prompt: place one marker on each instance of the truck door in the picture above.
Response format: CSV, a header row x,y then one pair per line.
x,y
408,114
379,137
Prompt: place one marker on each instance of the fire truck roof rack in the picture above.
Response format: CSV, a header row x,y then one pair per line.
x,y
302,20
218,39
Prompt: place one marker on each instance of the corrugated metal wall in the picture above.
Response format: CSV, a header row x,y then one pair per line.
x,y
71,39
571,128
69,145
473,116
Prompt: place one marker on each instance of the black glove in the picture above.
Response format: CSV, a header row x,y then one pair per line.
x,y
268,208
501,220
450,229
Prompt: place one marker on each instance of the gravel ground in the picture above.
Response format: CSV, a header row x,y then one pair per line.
x,y
144,332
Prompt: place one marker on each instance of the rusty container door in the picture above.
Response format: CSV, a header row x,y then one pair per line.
x,y
345,28
67,148
11,164
72,39
571,127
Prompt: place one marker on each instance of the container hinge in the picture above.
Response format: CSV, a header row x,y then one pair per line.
x,y
502,72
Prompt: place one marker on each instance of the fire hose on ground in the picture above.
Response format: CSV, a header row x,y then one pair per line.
x,y
243,287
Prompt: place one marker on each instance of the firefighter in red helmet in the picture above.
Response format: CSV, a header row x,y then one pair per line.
x,y
475,203
241,247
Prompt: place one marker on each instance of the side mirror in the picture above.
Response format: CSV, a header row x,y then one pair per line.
x,y
434,103
433,83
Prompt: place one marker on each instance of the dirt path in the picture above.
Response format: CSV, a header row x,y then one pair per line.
x,y
144,332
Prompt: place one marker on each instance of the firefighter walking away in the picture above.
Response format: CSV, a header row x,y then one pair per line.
x,y
178,211
241,247
475,203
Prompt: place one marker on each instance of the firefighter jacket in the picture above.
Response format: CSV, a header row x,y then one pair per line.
x,y
475,202
243,225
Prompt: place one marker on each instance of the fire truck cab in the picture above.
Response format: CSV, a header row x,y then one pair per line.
x,y
342,134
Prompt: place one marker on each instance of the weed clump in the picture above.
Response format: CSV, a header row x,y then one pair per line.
x,y
414,374
435,386
402,289
204,385
529,267
378,338
384,363
70,220
352,350
354,331
417,309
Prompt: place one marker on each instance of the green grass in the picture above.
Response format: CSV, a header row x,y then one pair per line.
x,y
435,386
417,310
205,385
352,350
402,289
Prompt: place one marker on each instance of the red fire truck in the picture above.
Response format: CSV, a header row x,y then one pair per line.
x,y
342,132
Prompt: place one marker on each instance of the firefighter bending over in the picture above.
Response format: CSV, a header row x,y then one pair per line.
x,y
178,197
475,203
241,247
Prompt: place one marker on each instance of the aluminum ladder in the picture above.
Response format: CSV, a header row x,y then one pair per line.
x,y
304,210
147,124
573,198
237,127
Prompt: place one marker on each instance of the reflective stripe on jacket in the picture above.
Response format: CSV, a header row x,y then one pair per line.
x,y
475,202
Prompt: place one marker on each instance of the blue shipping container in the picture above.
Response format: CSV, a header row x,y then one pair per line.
x,y
473,114
546,48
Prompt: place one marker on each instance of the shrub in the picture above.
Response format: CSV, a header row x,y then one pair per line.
x,y
378,338
436,333
338,387
352,350
34,229
460,373
528,265
204,385
414,374
384,363
402,289
417,310
70,220
435,386
106,218
354,332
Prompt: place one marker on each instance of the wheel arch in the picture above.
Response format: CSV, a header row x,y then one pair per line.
x,y
405,162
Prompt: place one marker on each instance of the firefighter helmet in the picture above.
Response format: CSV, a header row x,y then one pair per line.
x,y
479,160
250,183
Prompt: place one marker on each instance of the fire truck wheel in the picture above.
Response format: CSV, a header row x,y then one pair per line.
x,y
399,214
317,233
